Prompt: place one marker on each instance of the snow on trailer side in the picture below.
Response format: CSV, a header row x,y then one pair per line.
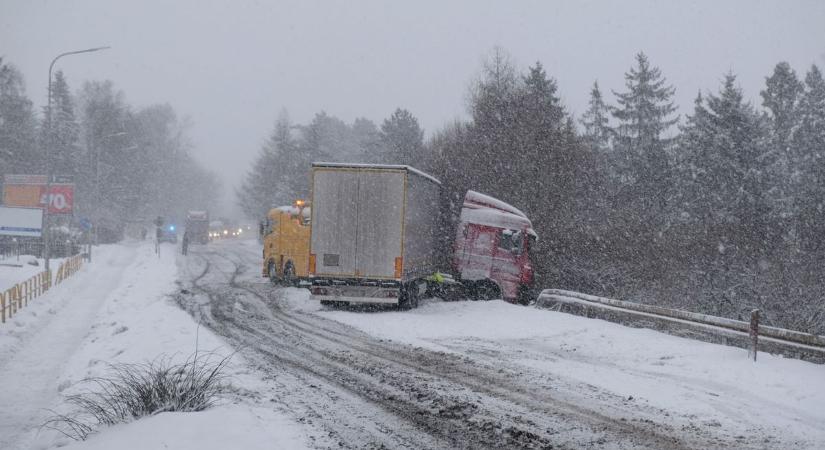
x,y
373,230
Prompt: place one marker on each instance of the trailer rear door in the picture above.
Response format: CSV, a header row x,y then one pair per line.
x,y
335,221
380,222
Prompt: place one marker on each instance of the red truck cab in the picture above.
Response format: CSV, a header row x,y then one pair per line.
x,y
492,249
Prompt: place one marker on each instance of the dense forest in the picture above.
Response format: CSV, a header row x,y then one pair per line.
x,y
719,211
129,164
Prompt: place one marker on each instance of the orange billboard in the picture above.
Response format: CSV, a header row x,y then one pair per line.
x,y
29,191
25,195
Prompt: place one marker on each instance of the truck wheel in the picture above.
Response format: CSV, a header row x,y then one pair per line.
x,y
289,275
409,297
524,295
486,290
415,296
404,298
272,271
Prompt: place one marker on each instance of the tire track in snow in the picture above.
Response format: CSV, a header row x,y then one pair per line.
x,y
461,402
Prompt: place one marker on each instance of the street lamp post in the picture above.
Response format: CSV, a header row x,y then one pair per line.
x,y
49,143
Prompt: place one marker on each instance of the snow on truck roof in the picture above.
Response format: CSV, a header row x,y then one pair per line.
x,y
378,166
477,198
485,210
294,210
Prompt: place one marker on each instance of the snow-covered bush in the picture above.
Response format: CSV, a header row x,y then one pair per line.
x,y
132,391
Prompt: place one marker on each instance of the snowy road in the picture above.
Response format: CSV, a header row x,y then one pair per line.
x,y
358,390
445,375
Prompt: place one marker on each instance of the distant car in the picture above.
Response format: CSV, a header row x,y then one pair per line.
x,y
168,234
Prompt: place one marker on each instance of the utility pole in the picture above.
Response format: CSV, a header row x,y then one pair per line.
x,y
47,152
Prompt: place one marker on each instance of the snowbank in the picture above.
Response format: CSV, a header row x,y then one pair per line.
x,y
119,310
10,274
701,382
222,428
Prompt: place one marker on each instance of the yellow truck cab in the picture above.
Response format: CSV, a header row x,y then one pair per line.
x,y
285,235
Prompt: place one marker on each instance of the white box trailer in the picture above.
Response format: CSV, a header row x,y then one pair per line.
x,y
373,237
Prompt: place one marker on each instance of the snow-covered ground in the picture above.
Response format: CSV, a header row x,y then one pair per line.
x,y
118,310
698,383
121,309
15,269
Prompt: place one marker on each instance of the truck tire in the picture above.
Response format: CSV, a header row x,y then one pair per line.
x,y
525,295
485,290
272,271
415,296
404,298
289,274
409,297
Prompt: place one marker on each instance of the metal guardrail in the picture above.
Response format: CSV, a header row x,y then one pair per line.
x,y
789,343
737,325
18,296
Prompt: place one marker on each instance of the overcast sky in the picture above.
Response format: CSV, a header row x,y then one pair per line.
x,y
231,66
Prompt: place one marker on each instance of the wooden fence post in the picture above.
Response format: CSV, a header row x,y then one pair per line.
x,y
3,306
754,332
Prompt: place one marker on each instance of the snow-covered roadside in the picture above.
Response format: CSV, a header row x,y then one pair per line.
x,y
699,384
119,310
11,274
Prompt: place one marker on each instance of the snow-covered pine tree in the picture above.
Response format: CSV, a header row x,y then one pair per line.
x,y
268,182
645,113
328,138
368,138
689,169
730,176
64,139
492,106
781,98
596,121
809,142
19,152
109,171
403,138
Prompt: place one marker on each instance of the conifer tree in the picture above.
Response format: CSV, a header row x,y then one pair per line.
x,y
809,142
368,138
643,185
18,143
728,160
596,121
269,183
403,138
65,130
781,97
645,113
